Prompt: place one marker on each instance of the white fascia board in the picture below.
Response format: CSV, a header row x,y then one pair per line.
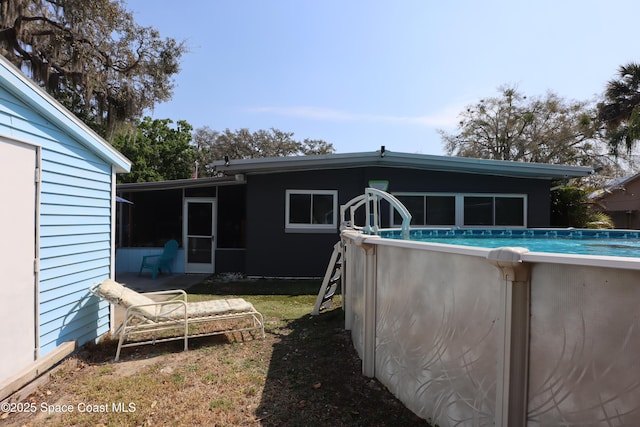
x,y
407,160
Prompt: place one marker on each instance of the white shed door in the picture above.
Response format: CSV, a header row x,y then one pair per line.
x,y
17,254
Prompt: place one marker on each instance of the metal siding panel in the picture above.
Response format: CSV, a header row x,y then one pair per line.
x,y
70,210
89,248
72,158
69,200
23,119
67,169
51,305
66,318
76,221
75,239
58,316
49,177
70,190
67,270
54,284
71,259
55,230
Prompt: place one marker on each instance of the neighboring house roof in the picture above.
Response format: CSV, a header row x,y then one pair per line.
x,y
19,85
402,160
614,185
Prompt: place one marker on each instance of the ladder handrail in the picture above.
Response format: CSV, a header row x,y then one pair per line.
x,y
370,198
352,205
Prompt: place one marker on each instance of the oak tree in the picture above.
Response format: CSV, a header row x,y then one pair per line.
x,y
211,145
511,126
91,56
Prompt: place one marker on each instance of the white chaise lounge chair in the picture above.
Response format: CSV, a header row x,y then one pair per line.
x,y
144,315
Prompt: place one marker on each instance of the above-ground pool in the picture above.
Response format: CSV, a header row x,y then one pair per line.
x,y
465,328
623,243
496,327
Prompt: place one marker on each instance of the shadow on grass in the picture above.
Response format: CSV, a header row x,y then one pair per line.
x,y
315,378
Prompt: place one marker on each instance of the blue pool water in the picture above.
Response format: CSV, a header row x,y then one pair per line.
x,y
622,243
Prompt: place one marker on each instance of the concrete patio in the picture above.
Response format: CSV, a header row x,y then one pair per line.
x,y
163,282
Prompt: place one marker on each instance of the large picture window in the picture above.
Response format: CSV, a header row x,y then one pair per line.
x,y
311,211
472,210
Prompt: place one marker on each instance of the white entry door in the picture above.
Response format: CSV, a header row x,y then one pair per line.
x,y
18,195
199,224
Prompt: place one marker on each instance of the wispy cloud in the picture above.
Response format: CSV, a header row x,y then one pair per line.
x,y
447,117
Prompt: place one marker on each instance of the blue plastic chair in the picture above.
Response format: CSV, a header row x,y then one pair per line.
x,y
157,262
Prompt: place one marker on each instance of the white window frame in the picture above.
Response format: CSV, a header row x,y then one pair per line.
x,y
459,208
311,228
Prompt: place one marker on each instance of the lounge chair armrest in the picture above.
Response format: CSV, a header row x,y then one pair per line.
x,y
177,293
93,290
158,305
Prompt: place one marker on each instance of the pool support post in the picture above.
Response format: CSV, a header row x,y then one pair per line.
x,y
369,320
513,336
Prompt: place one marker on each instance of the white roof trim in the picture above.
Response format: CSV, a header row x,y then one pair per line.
x,y
26,90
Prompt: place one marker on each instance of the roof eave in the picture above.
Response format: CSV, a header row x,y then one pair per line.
x,y
178,183
419,161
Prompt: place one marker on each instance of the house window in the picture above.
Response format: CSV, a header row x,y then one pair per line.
x,y
493,211
509,211
428,209
473,210
478,211
311,211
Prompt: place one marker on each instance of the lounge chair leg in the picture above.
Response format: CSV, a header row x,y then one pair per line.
x,y
186,334
120,342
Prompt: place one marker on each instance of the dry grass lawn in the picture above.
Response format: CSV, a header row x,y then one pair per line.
x,y
305,373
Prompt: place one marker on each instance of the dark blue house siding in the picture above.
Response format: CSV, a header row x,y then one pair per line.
x,y
270,251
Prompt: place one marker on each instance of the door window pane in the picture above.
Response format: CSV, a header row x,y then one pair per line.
x,y
200,219
199,250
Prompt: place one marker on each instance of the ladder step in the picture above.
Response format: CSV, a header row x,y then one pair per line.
x,y
331,292
331,280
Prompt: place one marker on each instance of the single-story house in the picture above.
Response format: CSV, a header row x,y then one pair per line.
x,y
278,217
57,187
620,199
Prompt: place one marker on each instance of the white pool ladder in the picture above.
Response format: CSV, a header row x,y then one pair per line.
x,y
371,200
332,278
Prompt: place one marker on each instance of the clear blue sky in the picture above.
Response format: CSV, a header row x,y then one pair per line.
x,y
361,74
